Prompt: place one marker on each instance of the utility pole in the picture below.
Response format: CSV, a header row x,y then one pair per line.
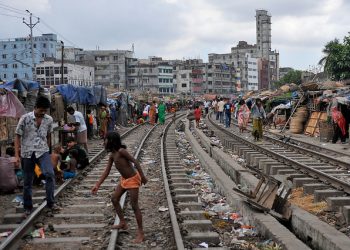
x,y
62,62
31,26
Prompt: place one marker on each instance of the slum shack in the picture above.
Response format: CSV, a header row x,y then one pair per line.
x,y
81,99
17,98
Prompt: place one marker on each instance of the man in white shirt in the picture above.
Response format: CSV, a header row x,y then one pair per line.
x,y
82,128
206,107
221,105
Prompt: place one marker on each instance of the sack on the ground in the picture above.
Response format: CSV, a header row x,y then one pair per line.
x,y
8,179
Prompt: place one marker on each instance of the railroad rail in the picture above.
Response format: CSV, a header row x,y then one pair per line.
x,y
187,215
325,154
79,191
274,157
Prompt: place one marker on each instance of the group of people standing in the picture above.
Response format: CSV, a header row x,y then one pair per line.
x,y
224,108
154,112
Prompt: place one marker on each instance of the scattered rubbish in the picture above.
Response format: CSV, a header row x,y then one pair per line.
x,y
203,244
149,162
109,204
5,234
101,202
38,233
154,179
163,209
18,199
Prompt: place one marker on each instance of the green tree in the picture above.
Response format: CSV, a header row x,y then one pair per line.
x,y
336,61
293,76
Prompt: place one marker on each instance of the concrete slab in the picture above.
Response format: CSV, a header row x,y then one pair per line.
x,y
334,203
13,218
299,182
274,169
59,240
322,195
181,185
82,215
187,197
311,187
192,206
286,171
78,226
8,227
184,191
180,180
208,237
197,225
192,215
346,213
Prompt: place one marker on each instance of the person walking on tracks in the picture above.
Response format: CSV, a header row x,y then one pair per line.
x,y
258,114
33,137
131,179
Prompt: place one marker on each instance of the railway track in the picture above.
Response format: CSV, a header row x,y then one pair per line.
x,y
84,220
190,226
318,173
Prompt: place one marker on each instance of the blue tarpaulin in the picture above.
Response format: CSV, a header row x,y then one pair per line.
x,y
23,86
82,95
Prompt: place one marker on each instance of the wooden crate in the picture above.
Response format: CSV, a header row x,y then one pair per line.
x,y
312,126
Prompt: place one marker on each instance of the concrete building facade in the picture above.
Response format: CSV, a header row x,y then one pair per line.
x,y
110,66
253,72
48,74
16,55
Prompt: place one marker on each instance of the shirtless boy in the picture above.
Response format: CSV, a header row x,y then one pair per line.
x,y
131,179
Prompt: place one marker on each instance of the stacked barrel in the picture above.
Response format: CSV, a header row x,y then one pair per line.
x,y
296,125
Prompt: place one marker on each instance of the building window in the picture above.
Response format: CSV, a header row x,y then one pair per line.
x,y
145,70
43,55
184,85
3,56
15,75
34,46
210,82
14,65
183,76
115,58
65,70
15,46
4,46
160,80
160,70
5,66
44,45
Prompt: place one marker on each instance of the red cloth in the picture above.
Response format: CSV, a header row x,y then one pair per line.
x,y
197,113
10,106
339,119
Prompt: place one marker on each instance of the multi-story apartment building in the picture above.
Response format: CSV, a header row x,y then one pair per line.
x,y
16,55
267,61
49,74
110,65
252,70
263,33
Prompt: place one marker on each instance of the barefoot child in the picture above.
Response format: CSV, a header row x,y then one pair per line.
x,y
131,179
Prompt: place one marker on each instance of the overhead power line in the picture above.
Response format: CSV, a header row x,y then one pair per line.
x,y
3,14
13,9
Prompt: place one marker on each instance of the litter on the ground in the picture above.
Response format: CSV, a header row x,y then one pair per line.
x,y
163,209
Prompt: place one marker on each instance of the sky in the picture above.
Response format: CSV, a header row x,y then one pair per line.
x,y
178,29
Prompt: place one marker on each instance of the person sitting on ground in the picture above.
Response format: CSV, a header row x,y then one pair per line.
x,y
131,179
70,172
56,159
82,159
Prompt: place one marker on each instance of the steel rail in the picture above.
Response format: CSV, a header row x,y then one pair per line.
x,y
173,217
293,142
327,179
18,233
114,233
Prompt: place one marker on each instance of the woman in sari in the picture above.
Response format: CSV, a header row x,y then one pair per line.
x,y
161,112
152,113
103,122
243,116
339,125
